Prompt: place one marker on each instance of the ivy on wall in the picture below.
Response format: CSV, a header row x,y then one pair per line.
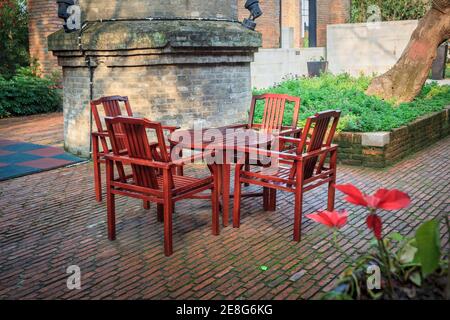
x,y
388,10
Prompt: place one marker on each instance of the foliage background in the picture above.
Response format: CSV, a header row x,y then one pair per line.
x,y
26,94
360,113
13,36
391,10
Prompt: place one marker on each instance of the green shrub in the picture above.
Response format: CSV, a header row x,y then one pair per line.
x,y
13,36
26,94
360,113
390,10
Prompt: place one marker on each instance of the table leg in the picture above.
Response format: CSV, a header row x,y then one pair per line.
x,y
225,171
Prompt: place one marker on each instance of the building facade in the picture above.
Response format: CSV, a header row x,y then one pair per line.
x,y
285,23
43,21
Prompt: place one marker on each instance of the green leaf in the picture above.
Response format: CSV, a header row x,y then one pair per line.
x,y
416,278
407,254
396,236
428,246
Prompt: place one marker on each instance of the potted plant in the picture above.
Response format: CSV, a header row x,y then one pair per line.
x,y
395,267
316,68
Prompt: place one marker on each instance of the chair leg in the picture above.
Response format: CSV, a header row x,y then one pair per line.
x,y
97,179
215,206
226,171
331,195
298,214
237,197
168,246
168,205
266,193
160,212
180,168
272,200
146,205
247,167
110,203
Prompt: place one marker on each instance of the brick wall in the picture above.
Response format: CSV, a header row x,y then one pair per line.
x,y
43,21
402,141
330,12
268,24
291,18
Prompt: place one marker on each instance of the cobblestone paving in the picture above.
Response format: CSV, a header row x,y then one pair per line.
x,y
46,129
49,221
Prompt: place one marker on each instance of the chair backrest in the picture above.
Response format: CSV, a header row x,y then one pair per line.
x,y
135,134
274,111
112,107
318,132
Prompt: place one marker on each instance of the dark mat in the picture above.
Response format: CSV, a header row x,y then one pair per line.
x,y
20,158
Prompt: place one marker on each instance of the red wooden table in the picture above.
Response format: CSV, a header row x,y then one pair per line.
x,y
227,140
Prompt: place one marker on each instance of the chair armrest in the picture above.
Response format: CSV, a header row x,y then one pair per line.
x,y
320,151
290,139
171,129
270,153
288,156
141,162
100,134
192,158
291,132
236,126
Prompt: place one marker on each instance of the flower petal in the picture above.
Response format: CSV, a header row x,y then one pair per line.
x,y
342,219
394,200
374,223
333,219
354,195
318,217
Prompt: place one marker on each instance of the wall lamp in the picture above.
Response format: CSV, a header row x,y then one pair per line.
x,y
255,12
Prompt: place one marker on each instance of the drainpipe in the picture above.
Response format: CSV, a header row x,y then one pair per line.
x,y
91,68
281,24
312,23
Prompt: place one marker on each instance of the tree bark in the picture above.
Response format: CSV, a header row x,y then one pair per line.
x,y
404,81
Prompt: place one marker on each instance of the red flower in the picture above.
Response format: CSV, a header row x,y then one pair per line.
x,y
374,223
332,219
382,199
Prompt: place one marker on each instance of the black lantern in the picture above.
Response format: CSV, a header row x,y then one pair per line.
x,y
63,13
255,12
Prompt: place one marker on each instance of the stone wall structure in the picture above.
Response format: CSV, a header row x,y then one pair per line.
x,y
42,21
190,62
330,12
381,149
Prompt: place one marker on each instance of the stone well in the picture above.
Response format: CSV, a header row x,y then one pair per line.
x,y
179,61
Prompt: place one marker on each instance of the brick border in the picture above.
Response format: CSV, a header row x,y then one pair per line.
x,y
381,149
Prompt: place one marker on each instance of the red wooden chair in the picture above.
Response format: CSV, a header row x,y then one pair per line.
x,y
296,172
275,106
146,182
111,107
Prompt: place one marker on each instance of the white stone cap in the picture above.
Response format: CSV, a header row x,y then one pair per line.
x,y
375,139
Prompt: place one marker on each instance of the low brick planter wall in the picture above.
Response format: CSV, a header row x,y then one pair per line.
x,y
381,149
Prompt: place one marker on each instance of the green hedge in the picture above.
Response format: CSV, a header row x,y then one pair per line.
x,y
390,10
360,113
26,94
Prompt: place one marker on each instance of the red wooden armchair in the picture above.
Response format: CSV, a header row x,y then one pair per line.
x,y
296,172
147,160
275,106
112,107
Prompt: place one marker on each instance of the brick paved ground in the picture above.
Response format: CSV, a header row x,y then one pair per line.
x,y
50,220
46,129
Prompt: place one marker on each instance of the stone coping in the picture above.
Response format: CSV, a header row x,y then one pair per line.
x,y
135,35
381,149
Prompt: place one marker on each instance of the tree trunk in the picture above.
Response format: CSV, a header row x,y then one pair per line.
x,y
404,81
